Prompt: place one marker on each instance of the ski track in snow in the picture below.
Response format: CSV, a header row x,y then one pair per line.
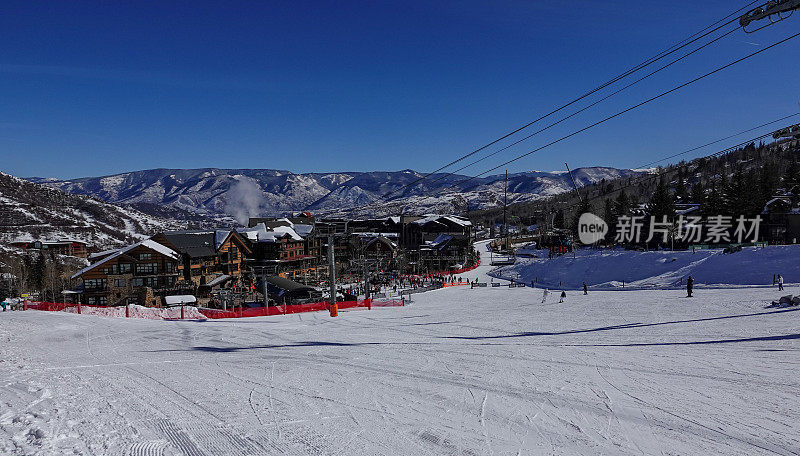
x,y
458,371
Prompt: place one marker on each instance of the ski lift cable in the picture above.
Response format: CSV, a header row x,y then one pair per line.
x,y
658,175
446,175
674,48
631,108
715,142
646,177
719,140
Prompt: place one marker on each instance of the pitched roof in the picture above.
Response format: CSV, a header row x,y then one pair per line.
x,y
193,243
260,233
148,243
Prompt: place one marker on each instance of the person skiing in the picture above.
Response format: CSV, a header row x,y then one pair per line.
x,y
780,282
563,296
544,295
585,289
689,286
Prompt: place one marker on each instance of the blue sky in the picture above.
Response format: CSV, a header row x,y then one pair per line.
x,y
95,88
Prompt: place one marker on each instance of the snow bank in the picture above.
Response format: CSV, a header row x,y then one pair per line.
x,y
751,266
136,311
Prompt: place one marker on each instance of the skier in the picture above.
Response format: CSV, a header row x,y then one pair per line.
x,y
563,296
780,282
4,304
689,286
585,289
544,295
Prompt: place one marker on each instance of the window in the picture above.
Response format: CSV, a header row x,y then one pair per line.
x,y
119,283
145,256
124,268
97,301
169,281
94,284
132,301
151,282
137,282
170,267
147,268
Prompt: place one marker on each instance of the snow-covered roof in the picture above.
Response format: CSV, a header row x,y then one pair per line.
x,y
102,254
148,243
218,280
179,299
386,241
303,229
440,242
687,210
774,200
281,232
438,219
220,236
259,233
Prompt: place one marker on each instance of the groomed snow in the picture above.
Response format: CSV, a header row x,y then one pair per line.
x,y
458,371
662,269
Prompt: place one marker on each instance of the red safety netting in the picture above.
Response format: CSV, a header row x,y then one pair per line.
x,y
456,271
298,308
242,312
49,306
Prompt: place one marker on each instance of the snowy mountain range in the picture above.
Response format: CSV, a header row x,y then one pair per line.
x,y
31,211
241,193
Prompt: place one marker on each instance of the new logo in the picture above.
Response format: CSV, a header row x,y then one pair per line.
x,y
591,228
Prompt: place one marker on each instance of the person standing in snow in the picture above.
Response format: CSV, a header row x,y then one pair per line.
x,y
585,289
780,282
544,295
689,286
563,296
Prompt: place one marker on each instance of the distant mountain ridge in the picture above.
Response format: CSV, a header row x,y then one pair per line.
x,y
32,211
241,193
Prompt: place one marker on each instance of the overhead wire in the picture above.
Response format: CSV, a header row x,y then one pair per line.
x,y
553,124
631,108
674,48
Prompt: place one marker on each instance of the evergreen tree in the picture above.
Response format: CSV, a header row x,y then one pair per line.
x,y
698,193
38,272
739,198
792,176
714,203
622,205
583,208
559,222
662,203
681,192
609,214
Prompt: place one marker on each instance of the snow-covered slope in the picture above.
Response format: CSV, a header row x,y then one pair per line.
x,y
484,371
34,211
608,270
249,192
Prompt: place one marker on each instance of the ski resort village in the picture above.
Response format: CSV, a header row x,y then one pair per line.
x,y
399,229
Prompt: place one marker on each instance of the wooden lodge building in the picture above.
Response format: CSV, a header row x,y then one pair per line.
x,y
208,259
69,247
136,274
279,250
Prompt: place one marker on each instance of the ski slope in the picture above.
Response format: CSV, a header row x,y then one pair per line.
x,y
657,269
459,371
